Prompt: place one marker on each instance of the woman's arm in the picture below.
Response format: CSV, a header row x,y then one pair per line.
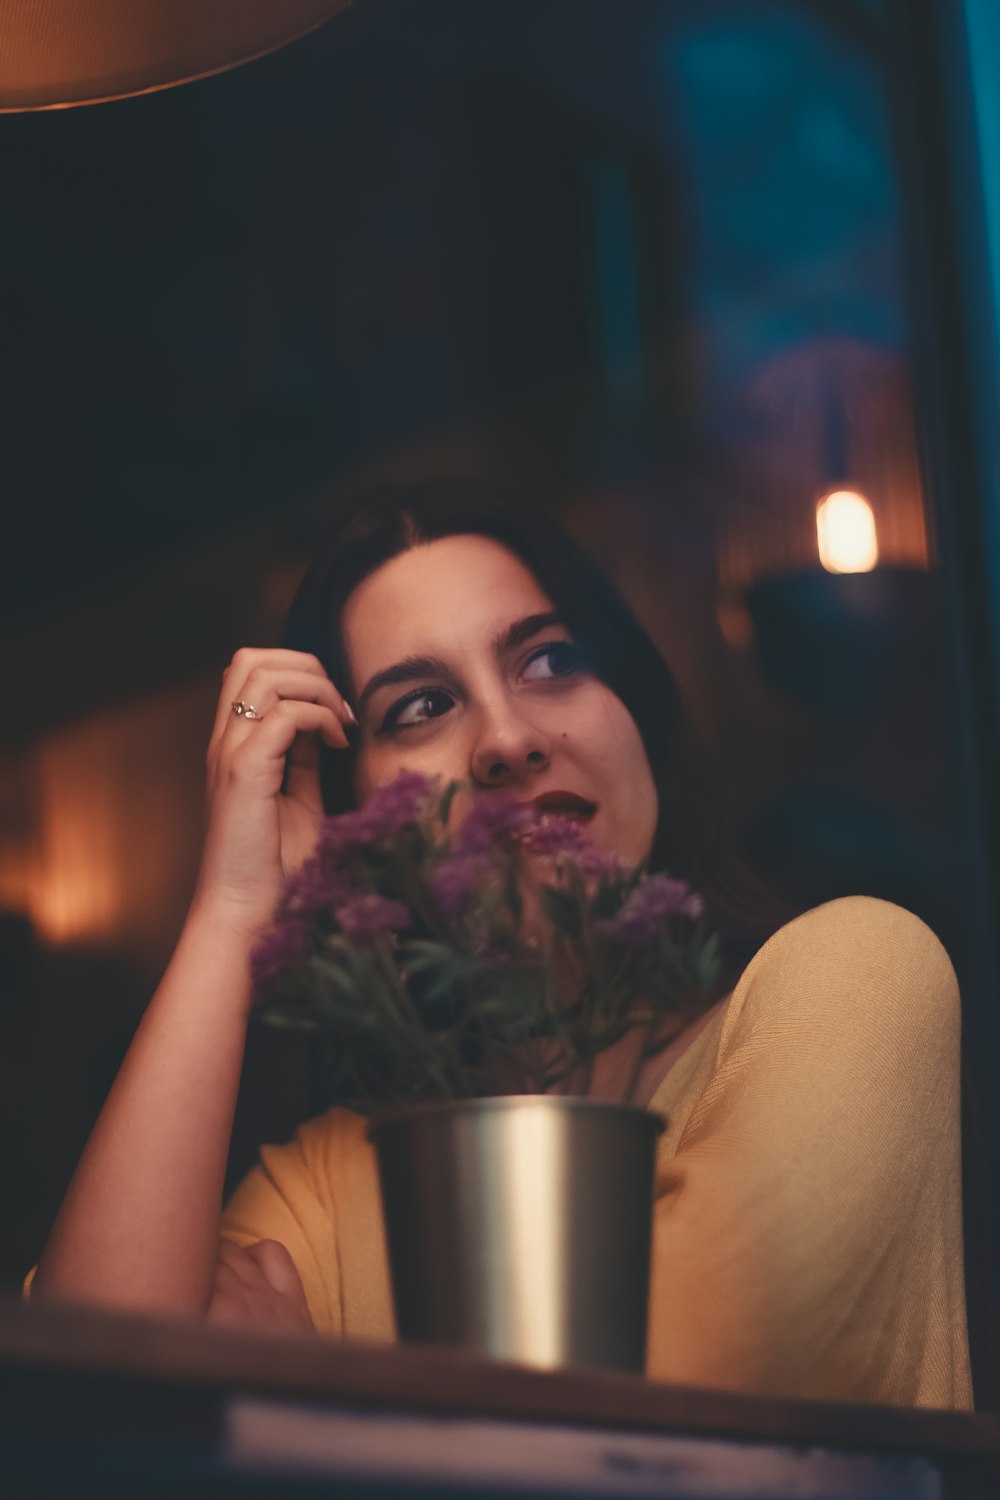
x,y
138,1228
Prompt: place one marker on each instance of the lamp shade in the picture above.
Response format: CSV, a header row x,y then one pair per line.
x,y
55,53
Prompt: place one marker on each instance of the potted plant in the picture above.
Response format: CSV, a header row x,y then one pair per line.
x,y
460,989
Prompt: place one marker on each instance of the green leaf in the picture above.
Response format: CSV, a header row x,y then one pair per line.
x,y
562,909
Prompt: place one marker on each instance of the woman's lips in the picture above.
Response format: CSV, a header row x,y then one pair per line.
x,y
563,805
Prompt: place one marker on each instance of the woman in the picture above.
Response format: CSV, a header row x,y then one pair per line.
x,y
808,1216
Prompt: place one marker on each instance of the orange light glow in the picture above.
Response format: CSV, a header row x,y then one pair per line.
x,y
845,532
108,848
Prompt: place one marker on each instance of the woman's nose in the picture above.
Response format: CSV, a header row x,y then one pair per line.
x,y
508,747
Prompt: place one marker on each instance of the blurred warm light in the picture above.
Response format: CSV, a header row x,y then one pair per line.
x,y
734,620
103,823
80,883
61,52
78,899
761,527
845,532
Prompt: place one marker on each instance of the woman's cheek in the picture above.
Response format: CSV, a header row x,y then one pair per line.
x,y
602,724
377,765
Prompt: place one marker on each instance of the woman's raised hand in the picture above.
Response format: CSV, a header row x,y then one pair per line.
x,y
264,802
156,1158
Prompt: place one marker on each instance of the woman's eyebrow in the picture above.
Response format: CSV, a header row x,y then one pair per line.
x,y
520,631
412,668
407,670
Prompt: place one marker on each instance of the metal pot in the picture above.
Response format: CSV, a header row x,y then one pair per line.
x,y
520,1226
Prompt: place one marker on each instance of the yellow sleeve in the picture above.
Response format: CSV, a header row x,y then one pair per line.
x,y
808,1236
283,1198
318,1195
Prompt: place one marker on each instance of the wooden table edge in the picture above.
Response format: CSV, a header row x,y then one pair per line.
x,y
408,1378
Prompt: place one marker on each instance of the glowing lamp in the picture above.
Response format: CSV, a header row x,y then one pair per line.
x,y
55,53
845,533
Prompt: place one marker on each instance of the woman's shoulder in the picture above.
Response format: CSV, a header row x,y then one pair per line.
x,y
849,1012
857,929
859,956
323,1147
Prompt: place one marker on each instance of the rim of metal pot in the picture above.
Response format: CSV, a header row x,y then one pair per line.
x,y
501,1103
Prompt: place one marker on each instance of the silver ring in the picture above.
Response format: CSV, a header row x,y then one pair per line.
x,y
245,710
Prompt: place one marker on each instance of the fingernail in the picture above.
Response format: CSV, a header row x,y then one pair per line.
x,y
350,712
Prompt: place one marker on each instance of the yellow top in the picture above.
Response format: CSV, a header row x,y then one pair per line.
x,y
808,1226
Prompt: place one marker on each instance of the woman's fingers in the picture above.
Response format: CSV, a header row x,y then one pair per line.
x,y
245,845
258,676
265,689
258,1285
265,803
267,686
262,747
276,1266
277,724
234,1262
243,663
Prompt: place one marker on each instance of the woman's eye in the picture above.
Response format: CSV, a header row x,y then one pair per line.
x,y
557,659
417,710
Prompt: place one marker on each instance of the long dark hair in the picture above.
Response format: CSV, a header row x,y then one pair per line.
x,y
692,838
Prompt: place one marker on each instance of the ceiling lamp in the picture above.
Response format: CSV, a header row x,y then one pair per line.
x,y
56,53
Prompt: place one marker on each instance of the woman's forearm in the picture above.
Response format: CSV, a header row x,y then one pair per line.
x,y
138,1228
139,1225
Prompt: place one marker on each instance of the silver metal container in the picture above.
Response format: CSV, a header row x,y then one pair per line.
x,y
520,1226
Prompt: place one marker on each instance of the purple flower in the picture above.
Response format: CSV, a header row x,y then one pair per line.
x,y
597,862
279,949
493,820
556,835
317,885
387,810
457,878
654,901
402,801
560,837
368,913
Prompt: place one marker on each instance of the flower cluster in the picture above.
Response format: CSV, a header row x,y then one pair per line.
x,y
641,919
500,958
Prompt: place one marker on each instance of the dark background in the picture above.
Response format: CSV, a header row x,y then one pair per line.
x,y
648,265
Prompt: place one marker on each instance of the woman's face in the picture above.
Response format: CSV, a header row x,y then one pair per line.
x,y
461,668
